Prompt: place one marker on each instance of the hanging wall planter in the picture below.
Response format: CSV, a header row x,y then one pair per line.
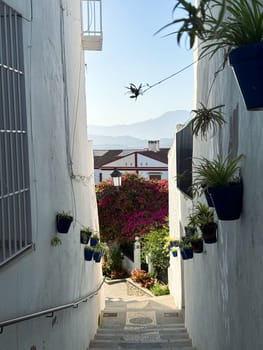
x,y
88,253
236,27
197,245
94,240
223,183
63,221
99,250
187,253
85,235
209,232
227,201
207,196
97,256
174,251
247,63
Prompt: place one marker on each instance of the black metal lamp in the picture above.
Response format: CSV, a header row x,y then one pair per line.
x,y
116,177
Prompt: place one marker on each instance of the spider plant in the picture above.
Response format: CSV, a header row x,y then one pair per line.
x,y
219,23
217,172
206,119
193,24
242,25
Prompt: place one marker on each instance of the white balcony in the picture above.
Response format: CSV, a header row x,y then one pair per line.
x,y
92,25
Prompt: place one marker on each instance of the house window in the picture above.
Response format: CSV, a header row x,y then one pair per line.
x,y
15,218
184,151
155,176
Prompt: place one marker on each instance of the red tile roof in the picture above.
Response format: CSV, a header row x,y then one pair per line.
x,y
113,155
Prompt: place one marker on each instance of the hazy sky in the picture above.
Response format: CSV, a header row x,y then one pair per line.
x,y
133,54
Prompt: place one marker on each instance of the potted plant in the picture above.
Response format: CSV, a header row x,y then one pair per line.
x,y
63,221
99,251
94,239
190,229
197,243
85,235
55,241
206,119
237,27
171,242
203,216
186,249
88,253
223,183
173,250
241,32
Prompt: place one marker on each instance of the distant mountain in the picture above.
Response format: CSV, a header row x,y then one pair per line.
x,y
151,129
136,135
124,142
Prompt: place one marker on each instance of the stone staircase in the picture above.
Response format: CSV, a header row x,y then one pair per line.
x,y
146,323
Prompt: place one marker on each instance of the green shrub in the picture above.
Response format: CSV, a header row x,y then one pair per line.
x,y
160,289
153,244
112,265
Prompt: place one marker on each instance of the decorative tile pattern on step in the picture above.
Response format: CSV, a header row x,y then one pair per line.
x,y
140,318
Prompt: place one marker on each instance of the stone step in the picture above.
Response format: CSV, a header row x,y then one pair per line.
x,y
140,342
163,332
146,346
152,323
153,332
143,346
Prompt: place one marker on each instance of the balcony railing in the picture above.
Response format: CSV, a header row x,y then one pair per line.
x,y
92,25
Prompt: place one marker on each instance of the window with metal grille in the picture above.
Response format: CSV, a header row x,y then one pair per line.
x,y
15,217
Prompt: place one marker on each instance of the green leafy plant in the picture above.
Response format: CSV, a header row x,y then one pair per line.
x,y
55,241
241,25
112,265
193,24
206,119
153,244
185,243
219,23
85,234
217,172
95,236
89,248
160,289
86,229
201,215
63,214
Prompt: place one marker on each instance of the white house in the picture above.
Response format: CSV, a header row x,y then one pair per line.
x,y
221,288
150,163
47,292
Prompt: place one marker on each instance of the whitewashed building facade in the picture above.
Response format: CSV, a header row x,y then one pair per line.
x,y
150,163
44,169
221,288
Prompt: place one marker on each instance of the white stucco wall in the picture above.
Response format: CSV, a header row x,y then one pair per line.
x,y
179,208
50,276
223,287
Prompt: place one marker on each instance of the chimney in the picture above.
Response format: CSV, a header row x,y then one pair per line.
x,y
154,146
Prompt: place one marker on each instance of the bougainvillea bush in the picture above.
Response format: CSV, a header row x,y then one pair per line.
x,y
133,209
